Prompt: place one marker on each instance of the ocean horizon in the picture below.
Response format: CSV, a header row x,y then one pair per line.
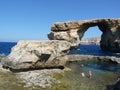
x,y
86,49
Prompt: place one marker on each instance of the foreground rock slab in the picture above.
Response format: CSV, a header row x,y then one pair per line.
x,y
37,54
41,78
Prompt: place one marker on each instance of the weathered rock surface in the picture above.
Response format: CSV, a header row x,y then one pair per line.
x,y
37,54
73,31
1,57
40,78
1,67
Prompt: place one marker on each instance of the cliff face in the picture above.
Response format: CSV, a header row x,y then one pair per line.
x,y
73,31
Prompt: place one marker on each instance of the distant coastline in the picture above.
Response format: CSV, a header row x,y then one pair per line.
x,y
93,40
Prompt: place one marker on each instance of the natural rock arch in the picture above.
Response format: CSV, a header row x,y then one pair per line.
x,y
32,54
73,31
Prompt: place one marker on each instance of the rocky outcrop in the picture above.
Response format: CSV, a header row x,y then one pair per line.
x,y
37,54
73,31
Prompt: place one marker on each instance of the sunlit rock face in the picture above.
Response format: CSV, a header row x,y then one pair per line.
x,y
37,54
73,31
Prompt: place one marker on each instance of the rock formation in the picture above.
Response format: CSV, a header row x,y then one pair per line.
x,y
64,36
37,54
73,31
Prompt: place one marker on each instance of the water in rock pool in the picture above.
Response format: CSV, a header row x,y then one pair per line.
x,y
104,75
101,79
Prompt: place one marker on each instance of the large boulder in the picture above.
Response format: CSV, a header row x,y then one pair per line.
x,y
73,31
37,54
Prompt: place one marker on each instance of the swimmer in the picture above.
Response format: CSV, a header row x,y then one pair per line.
x,y
83,74
89,74
82,65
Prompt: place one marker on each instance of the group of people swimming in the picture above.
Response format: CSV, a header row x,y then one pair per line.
x,y
89,72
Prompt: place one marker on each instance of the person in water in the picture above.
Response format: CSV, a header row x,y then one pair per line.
x,y
82,65
89,74
83,74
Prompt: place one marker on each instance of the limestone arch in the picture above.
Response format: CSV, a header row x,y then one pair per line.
x,y
73,31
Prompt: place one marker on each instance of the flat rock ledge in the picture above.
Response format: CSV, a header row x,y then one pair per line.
x,y
32,54
92,57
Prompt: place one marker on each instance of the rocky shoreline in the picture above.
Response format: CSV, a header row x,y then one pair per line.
x,y
44,78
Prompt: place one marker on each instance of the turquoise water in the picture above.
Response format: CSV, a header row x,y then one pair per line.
x,y
102,79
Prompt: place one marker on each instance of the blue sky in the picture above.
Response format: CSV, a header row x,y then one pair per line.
x,y
32,19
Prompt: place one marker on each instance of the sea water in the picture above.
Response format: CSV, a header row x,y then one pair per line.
x,y
5,47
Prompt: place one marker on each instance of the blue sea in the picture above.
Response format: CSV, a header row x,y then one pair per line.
x,y
5,49
93,49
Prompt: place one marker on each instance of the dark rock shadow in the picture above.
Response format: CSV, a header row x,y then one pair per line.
x,y
31,69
